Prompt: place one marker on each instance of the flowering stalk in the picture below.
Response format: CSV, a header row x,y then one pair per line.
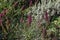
x,y
4,11
29,19
30,4
44,32
1,15
47,18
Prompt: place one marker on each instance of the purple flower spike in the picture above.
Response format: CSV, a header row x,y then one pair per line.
x,y
30,4
1,15
29,19
46,16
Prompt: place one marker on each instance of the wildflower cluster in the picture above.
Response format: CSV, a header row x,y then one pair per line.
x,y
29,19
